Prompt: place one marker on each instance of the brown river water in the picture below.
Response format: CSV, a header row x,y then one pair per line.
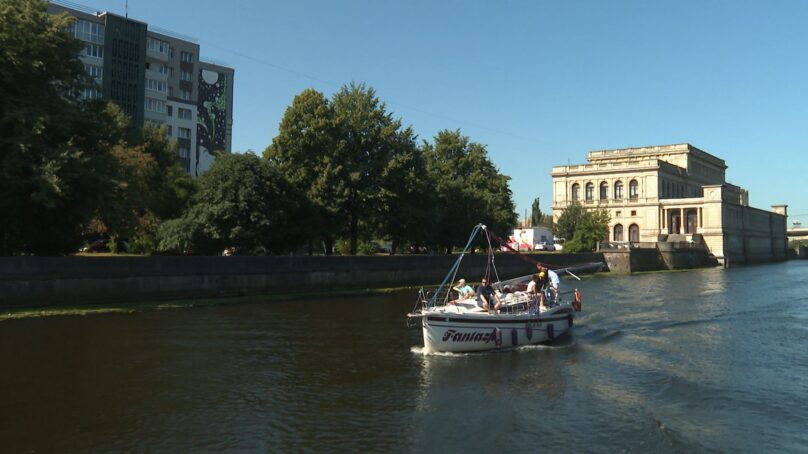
x,y
706,360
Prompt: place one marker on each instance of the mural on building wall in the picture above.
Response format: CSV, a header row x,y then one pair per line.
x,y
211,118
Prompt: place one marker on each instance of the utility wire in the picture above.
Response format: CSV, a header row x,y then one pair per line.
x,y
559,147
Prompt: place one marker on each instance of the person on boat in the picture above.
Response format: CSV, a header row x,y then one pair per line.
x,y
463,290
548,286
542,282
488,296
552,276
531,286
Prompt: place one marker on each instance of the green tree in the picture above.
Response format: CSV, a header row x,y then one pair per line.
x,y
536,217
366,137
304,151
351,158
54,148
243,202
146,183
405,201
569,220
468,187
594,227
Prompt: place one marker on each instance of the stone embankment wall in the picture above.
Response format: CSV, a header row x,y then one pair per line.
x,y
653,259
49,281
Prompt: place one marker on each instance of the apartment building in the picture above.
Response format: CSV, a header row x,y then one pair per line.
x,y
157,76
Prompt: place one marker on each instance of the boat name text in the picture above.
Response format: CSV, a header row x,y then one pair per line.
x,y
476,336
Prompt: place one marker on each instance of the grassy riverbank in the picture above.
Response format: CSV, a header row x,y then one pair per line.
x,y
129,308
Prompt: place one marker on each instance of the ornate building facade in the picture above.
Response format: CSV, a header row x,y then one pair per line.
x,y
672,193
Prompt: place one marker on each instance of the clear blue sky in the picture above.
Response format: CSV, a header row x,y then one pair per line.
x,y
540,83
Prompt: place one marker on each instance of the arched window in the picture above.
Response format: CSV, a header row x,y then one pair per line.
x,y
576,192
590,192
618,190
618,233
604,190
634,233
633,191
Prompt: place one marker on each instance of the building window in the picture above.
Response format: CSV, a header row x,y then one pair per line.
x,y
590,192
157,45
156,85
90,94
171,52
185,114
576,192
94,71
169,110
94,50
633,212
155,105
634,233
618,190
88,31
633,193
170,131
185,75
604,191
184,152
184,133
186,57
618,213
618,232
185,94
163,69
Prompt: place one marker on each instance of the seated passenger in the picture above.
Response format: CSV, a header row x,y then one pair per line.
x,y
463,290
488,297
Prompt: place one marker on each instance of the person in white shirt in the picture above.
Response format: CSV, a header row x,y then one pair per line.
x,y
554,282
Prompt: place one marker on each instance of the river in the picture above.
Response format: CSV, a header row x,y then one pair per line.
x,y
703,360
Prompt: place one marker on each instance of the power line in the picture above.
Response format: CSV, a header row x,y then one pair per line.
x,y
388,101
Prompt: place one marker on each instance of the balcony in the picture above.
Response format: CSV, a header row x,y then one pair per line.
x,y
157,55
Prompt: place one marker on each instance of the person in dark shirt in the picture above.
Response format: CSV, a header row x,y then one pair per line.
x,y
488,296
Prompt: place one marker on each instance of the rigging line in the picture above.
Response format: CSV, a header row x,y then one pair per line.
x,y
389,101
491,256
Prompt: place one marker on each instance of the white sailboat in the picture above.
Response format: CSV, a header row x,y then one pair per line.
x,y
462,325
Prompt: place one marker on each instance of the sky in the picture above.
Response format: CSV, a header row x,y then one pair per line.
x,y
540,83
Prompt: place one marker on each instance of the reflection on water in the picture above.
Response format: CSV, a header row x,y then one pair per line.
x,y
659,362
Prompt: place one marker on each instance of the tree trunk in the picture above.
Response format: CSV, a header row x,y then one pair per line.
x,y
354,233
328,242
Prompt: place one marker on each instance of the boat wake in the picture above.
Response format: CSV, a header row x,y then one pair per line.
x,y
423,351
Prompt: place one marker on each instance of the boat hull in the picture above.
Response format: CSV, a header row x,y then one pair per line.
x,y
448,332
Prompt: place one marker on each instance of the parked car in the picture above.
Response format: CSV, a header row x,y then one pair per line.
x,y
102,245
380,248
544,247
